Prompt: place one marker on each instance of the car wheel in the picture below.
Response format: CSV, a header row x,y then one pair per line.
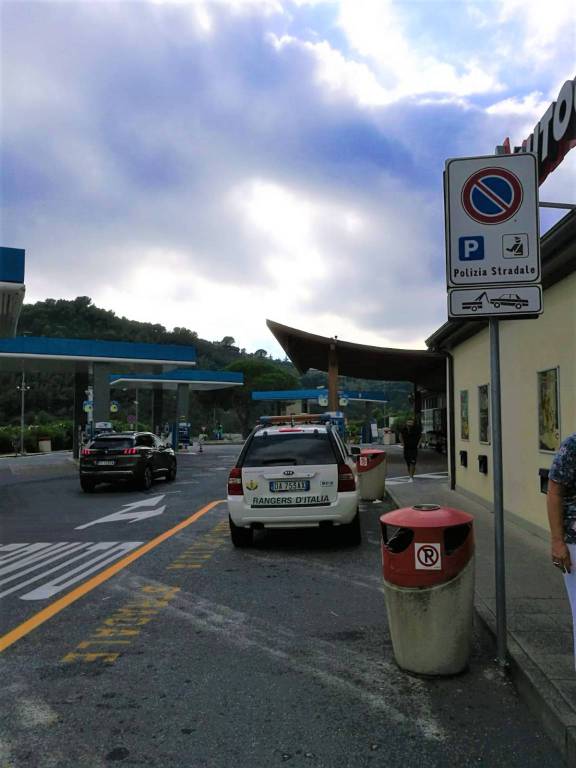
x,y
496,304
351,533
87,485
171,476
518,306
146,479
241,537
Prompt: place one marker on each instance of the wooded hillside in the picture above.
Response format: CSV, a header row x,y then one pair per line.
x,y
50,395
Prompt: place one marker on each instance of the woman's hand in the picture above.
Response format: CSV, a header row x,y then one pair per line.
x,y
561,556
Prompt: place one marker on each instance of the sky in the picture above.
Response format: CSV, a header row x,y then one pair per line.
x,y
214,164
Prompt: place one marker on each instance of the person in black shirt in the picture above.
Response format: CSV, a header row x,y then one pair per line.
x,y
410,438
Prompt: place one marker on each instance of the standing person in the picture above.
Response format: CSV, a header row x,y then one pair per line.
x,y
561,507
410,436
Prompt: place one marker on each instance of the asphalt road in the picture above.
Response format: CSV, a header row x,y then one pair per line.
x,y
198,655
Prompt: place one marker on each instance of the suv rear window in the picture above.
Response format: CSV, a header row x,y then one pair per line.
x,y
291,448
112,442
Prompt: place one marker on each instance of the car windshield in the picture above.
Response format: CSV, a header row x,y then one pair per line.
x,y
112,442
267,450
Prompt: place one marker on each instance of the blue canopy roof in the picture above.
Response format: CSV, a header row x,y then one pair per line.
x,y
199,380
46,353
314,394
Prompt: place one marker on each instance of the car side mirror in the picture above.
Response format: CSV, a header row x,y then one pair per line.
x,y
354,450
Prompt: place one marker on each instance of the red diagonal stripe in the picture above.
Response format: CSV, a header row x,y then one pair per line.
x,y
494,197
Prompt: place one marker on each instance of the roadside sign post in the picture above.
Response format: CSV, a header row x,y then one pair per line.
x,y
493,272
498,493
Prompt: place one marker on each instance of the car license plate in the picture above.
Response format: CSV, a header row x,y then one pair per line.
x,y
289,485
106,463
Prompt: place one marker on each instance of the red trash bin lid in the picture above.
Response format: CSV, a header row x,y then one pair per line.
x,y
426,516
370,458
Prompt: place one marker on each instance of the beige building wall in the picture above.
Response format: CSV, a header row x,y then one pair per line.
x,y
526,347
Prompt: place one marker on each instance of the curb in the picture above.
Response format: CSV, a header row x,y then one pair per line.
x,y
540,695
542,698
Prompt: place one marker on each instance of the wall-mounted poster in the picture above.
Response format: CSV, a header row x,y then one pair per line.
x,y
548,410
484,413
464,418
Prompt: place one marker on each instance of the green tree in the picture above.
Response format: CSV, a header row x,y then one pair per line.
x,y
259,374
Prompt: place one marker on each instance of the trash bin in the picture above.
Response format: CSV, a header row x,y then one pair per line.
x,y
428,567
371,473
388,436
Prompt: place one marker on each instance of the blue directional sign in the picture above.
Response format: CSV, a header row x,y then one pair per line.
x,y
12,265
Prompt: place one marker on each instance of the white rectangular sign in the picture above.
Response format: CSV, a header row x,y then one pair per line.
x,y
492,223
510,301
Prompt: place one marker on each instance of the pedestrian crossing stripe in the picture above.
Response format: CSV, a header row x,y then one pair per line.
x,y
53,567
406,479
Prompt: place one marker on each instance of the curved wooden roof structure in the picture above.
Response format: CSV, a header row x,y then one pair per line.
x,y
307,350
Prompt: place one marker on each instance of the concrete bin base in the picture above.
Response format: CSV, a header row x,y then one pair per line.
x,y
431,627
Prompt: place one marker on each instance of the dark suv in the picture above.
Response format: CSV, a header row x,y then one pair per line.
x,y
136,456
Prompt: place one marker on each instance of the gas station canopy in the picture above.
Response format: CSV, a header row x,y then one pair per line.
x,y
196,380
307,350
42,353
322,392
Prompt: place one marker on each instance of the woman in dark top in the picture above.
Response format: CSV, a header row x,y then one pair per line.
x,y
561,505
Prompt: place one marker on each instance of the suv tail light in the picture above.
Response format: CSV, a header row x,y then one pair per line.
x,y
129,451
235,482
346,480
86,452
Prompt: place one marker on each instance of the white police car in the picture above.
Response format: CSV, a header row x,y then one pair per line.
x,y
293,472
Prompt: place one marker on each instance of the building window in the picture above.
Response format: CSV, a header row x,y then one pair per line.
x,y
548,410
464,416
484,413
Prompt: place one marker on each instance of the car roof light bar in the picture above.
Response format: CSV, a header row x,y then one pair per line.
x,y
293,419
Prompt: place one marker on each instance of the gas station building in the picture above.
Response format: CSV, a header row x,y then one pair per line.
x,y
104,364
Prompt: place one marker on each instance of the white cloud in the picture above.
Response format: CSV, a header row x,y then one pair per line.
x,y
544,24
211,164
531,105
376,30
338,74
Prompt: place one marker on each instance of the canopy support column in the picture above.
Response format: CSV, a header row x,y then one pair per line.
x,y
101,384
332,378
182,402
80,395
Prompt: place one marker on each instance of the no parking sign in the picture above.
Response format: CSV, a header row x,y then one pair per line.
x,y
492,235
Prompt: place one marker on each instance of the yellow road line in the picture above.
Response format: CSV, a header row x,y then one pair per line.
x,y
51,610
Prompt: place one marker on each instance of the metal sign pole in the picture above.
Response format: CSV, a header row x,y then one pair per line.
x,y
500,567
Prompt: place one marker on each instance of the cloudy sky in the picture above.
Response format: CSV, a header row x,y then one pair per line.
x,y
213,164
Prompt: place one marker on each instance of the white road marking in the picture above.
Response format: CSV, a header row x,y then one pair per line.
x,y
35,713
400,480
85,557
14,550
137,510
40,559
